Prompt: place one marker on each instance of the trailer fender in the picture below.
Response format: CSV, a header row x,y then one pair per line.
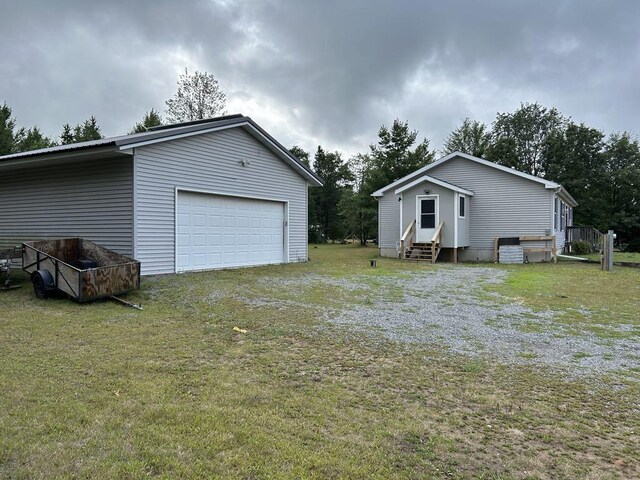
x,y
42,283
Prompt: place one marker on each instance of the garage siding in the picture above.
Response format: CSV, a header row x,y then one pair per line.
x,y
211,163
92,200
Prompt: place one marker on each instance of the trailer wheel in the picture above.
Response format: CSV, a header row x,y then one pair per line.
x,y
42,283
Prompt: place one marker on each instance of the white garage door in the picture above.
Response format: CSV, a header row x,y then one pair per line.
x,y
215,231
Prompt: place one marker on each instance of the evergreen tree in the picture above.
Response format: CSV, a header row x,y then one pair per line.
x,y
66,137
31,139
89,130
356,206
393,158
336,178
315,232
151,119
7,136
82,132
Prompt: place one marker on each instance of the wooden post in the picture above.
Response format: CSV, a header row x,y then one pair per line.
x,y
554,250
495,250
455,255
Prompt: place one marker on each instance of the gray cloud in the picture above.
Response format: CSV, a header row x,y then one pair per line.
x,y
324,72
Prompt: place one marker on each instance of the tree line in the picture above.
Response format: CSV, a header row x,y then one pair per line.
x,y
601,172
198,96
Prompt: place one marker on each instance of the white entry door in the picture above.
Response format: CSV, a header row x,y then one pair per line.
x,y
217,231
427,217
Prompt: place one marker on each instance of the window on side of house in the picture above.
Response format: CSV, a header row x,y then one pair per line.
x,y
555,214
570,217
563,215
462,211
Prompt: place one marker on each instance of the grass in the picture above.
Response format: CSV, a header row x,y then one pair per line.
x,y
588,298
101,391
617,257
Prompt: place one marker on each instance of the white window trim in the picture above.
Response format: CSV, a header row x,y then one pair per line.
x,y
464,197
418,210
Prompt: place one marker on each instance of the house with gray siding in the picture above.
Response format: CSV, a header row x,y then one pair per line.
x,y
201,195
460,205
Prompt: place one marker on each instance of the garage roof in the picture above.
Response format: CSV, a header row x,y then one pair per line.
x,y
125,143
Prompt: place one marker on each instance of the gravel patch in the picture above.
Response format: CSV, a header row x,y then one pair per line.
x,y
449,307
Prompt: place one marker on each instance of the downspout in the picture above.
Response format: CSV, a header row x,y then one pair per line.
x,y
400,201
556,191
456,217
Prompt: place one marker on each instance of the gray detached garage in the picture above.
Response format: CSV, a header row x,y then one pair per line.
x,y
202,195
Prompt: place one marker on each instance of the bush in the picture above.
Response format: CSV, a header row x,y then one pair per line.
x,y
581,248
316,236
634,245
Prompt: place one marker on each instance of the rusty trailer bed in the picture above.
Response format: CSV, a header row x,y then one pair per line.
x,y
64,262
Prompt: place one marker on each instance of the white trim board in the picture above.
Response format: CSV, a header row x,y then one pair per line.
x,y
419,212
464,197
427,178
284,155
546,183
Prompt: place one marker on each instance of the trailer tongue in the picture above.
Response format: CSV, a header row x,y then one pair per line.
x,y
79,268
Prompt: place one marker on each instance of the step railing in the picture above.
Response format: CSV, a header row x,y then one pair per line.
x,y
406,241
436,240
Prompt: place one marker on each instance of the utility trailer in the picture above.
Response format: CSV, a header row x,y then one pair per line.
x,y
79,268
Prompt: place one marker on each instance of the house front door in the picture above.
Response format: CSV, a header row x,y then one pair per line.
x,y
427,217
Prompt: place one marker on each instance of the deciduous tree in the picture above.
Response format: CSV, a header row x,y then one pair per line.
x,y
199,96
519,139
472,137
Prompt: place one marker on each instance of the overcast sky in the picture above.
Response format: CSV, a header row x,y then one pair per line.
x,y
323,72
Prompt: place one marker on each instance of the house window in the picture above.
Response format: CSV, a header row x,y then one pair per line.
x,y
563,215
555,214
569,217
428,213
463,206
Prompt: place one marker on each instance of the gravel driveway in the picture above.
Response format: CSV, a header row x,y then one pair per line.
x,y
449,307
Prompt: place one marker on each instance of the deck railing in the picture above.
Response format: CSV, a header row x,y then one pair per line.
x,y
589,235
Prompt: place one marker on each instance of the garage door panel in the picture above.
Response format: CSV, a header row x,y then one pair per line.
x,y
216,231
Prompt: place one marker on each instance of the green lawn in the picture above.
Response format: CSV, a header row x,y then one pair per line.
x,y
618,257
102,391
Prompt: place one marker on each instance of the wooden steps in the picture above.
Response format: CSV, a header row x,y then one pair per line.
x,y
419,251
422,252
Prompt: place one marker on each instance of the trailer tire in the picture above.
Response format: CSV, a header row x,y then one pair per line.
x,y
42,283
